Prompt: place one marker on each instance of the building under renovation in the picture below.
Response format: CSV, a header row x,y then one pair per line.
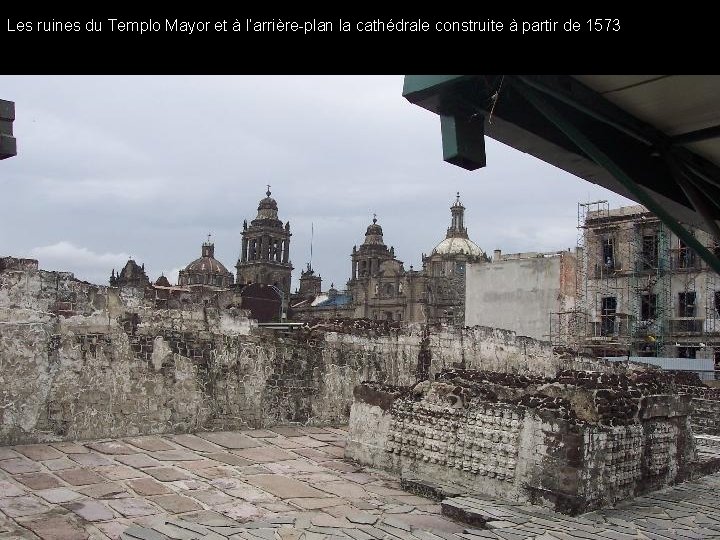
x,y
641,291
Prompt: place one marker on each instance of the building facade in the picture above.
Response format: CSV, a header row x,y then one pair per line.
x,y
381,288
641,290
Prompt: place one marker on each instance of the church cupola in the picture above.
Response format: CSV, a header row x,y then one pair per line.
x,y
457,225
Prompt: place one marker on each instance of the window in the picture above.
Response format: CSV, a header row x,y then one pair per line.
x,y
686,305
717,362
460,268
716,296
648,307
389,289
687,352
607,318
686,256
649,251
608,253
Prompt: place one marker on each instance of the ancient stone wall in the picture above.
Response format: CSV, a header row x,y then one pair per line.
x,y
84,361
558,442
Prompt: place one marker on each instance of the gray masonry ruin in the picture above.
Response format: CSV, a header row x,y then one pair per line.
x,y
81,361
575,442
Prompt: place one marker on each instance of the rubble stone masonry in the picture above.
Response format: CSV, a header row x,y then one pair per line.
x,y
81,361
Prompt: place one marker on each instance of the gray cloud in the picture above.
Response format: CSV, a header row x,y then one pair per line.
x,y
147,166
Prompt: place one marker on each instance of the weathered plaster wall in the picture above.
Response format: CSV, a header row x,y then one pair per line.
x,y
520,293
81,361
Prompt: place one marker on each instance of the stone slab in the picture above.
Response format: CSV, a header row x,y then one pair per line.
x,y
8,489
91,459
19,466
231,440
307,442
193,442
119,472
176,504
230,459
148,486
38,452
59,464
70,447
283,486
58,495
38,480
25,505
265,454
210,497
90,510
106,490
316,503
132,507
167,474
111,447
176,455
56,527
80,477
149,443
139,461
8,453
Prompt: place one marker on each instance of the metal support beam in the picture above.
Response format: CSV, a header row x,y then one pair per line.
x,y
694,195
605,161
697,136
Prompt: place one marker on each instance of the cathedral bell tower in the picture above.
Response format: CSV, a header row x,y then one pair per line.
x,y
265,254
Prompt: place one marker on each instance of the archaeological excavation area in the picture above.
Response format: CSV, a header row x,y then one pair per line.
x,y
122,419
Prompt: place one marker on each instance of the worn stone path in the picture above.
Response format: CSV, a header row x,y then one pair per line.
x,y
284,483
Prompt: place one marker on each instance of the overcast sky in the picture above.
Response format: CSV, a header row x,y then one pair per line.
x,y
113,167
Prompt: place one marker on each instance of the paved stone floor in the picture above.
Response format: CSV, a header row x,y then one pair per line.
x,y
285,483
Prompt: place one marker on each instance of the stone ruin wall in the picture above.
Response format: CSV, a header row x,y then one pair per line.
x,y
84,361
706,409
576,442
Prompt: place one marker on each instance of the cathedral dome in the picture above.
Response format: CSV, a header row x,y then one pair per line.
x,y
456,240
206,265
206,270
457,245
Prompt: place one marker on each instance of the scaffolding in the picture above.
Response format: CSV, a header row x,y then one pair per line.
x,y
650,286
712,310
640,290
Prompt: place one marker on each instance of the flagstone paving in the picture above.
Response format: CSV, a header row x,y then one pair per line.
x,y
288,483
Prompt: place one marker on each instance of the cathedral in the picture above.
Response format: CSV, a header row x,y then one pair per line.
x,y
379,288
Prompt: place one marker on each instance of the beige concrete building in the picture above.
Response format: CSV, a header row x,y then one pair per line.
x,y
520,291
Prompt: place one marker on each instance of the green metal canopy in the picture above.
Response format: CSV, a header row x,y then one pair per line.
x,y
652,138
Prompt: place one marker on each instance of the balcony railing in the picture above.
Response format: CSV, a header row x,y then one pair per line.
x,y
686,325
